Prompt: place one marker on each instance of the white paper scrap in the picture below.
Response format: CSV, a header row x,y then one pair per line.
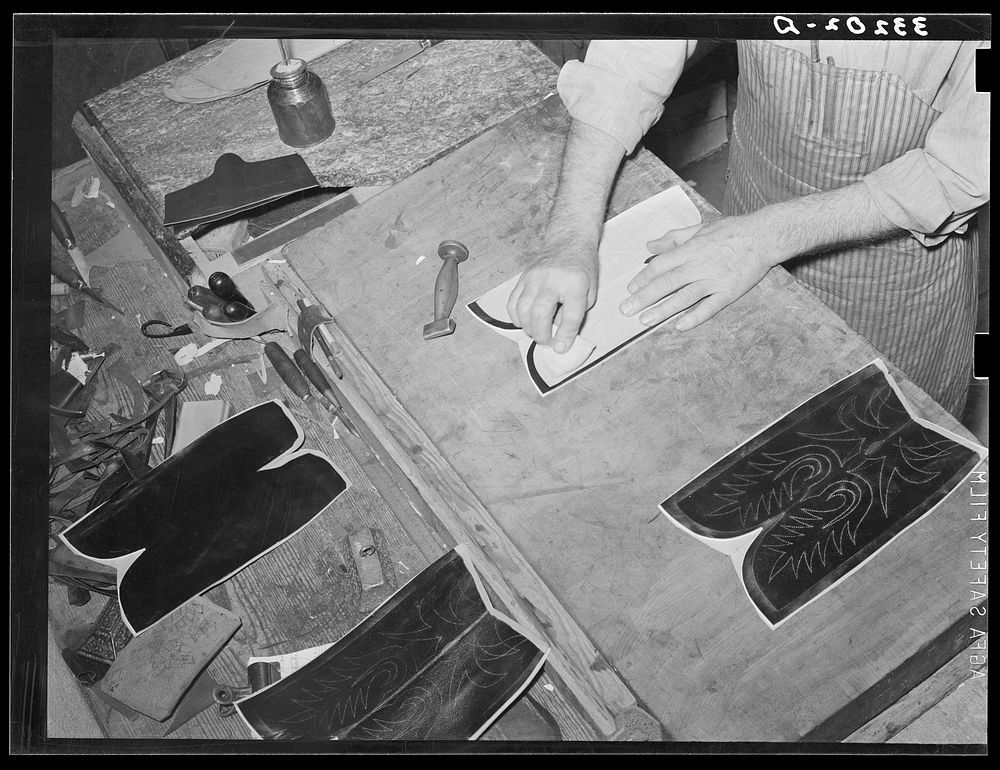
x,y
186,354
210,346
78,368
293,661
214,385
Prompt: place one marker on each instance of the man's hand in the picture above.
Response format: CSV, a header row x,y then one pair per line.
x,y
557,289
703,268
700,269
561,285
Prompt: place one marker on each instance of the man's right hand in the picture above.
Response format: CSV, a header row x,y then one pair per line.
x,y
561,285
557,290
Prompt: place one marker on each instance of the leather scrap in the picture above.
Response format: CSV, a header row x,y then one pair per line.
x,y
240,67
434,662
236,185
154,671
207,511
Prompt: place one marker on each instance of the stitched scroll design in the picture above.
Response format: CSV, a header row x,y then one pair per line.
x,y
825,488
433,663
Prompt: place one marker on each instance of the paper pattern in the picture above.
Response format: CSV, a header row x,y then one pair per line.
x,y
241,67
605,330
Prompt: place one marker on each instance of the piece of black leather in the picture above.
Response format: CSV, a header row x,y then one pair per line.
x,y
432,663
207,511
828,485
236,185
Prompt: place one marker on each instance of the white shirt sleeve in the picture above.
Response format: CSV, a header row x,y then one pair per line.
x,y
621,85
933,191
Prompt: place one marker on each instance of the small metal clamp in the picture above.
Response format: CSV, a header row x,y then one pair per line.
x,y
226,697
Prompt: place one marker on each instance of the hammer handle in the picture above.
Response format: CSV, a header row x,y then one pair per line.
x,y
446,289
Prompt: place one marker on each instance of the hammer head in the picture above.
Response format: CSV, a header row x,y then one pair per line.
x,y
441,328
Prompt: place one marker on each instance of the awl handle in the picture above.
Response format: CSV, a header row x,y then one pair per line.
x,y
65,234
315,375
68,276
287,370
61,227
225,289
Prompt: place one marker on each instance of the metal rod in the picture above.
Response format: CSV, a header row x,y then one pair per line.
x,y
284,51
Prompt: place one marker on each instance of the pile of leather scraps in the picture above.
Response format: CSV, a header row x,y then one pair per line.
x,y
95,449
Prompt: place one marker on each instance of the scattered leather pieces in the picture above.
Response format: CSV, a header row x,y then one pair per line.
x,y
236,185
124,246
155,670
72,318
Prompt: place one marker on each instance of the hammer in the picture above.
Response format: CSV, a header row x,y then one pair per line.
x,y
446,289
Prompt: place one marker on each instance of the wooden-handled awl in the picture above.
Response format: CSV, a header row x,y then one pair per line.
x,y
446,289
65,235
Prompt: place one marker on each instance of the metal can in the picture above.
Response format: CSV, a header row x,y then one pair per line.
x,y
300,104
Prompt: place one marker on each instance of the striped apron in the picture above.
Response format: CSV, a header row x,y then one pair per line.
x,y
803,126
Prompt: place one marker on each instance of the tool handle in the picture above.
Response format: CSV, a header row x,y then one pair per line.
x,y
202,296
224,288
61,227
315,375
446,289
236,311
66,274
287,370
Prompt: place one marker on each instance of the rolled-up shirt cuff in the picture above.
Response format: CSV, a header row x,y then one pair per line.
x,y
912,195
608,102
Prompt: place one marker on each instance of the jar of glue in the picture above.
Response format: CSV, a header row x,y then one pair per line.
x,y
300,104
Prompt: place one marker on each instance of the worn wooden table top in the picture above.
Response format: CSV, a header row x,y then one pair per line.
x,y
574,479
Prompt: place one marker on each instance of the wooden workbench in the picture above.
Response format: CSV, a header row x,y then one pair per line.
x,y
574,479
559,496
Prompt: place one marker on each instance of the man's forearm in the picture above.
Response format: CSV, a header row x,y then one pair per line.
x,y
821,222
590,161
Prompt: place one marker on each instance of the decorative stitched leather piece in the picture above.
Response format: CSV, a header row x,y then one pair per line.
x,y
432,663
824,488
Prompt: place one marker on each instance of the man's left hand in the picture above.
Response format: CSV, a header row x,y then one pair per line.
x,y
700,269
